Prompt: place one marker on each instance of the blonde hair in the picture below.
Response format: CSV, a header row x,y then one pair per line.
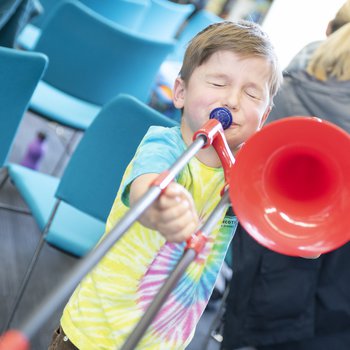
x,y
342,17
244,38
332,58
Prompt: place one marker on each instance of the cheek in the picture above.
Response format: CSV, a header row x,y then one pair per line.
x,y
255,116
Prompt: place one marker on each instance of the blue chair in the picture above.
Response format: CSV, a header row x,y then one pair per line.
x,y
20,73
195,24
14,15
71,211
164,19
90,66
128,13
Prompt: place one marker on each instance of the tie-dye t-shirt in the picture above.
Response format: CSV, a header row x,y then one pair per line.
x,y
109,302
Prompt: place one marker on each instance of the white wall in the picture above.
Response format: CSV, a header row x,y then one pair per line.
x,y
291,24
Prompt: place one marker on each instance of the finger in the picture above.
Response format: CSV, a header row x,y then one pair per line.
x,y
175,205
179,229
165,202
174,189
181,235
173,195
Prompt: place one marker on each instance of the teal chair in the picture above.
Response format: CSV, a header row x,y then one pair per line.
x,y
194,25
128,13
164,19
92,60
20,73
71,211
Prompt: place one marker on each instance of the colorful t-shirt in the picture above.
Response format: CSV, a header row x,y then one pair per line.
x,y
111,299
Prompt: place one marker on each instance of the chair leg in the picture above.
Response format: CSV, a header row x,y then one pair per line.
x,y
29,270
68,150
5,178
216,326
14,209
8,206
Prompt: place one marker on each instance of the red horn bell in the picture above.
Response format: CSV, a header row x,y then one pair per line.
x,y
290,186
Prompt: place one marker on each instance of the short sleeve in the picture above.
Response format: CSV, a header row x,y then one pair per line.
x,y
157,152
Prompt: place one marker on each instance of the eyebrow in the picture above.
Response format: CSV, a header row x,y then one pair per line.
x,y
217,75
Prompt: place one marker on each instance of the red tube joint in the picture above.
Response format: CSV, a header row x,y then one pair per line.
x,y
197,242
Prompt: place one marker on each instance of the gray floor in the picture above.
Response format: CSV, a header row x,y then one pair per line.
x,y
19,235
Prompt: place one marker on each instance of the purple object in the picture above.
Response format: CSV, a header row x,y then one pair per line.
x,y
35,152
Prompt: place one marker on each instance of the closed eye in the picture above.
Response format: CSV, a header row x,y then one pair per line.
x,y
217,84
253,95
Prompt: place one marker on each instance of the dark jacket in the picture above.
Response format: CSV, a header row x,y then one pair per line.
x,y
278,299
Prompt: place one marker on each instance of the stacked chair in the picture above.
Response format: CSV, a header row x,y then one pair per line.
x,y
128,13
164,19
91,61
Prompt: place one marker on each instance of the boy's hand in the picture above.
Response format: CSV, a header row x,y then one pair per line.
x,y
173,214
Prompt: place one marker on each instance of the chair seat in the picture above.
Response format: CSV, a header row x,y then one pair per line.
x,y
28,37
63,108
72,230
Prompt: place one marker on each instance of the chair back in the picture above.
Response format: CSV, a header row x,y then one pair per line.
x,y
164,19
195,24
128,13
47,7
92,177
101,59
20,73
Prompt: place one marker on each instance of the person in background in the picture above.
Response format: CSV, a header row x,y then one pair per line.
x,y
230,65
301,59
278,302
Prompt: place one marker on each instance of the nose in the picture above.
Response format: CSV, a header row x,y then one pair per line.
x,y
232,100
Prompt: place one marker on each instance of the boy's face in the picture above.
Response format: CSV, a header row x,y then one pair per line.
x,y
226,80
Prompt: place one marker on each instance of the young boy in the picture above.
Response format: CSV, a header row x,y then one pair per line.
x,y
230,65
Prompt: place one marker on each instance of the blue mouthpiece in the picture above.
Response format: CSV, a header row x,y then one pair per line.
x,y
223,115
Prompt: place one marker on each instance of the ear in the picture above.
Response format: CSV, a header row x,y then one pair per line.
x,y
179,93
265,115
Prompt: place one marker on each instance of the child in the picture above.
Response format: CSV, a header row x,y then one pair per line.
x,y
230,65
